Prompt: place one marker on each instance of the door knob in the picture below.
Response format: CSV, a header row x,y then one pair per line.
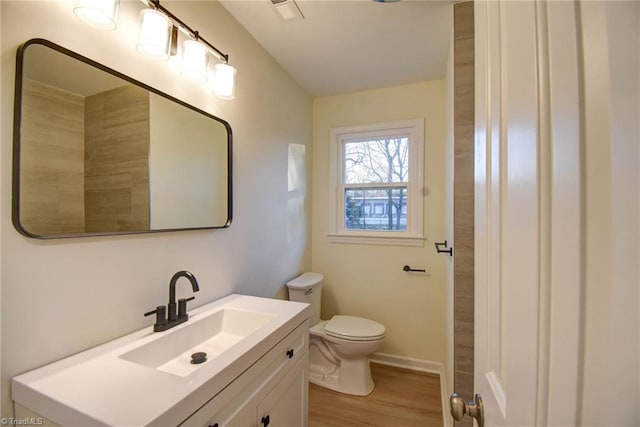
x,y
473,408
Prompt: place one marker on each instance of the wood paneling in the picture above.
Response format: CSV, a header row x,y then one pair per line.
x,y
463,195
402,398
116,160
52,160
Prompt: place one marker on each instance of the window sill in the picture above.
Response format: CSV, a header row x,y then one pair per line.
x,y
377,240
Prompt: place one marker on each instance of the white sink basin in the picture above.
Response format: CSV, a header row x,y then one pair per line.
x,y
214,334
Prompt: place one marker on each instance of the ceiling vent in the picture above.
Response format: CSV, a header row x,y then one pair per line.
x,y
288,10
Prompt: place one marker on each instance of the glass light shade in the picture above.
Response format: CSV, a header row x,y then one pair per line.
x,y
224,85
154,36
194,60
97,13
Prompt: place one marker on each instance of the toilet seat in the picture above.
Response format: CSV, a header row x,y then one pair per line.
x,y
354,328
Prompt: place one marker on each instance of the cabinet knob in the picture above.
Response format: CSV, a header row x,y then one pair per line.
x,y
265,421
290,353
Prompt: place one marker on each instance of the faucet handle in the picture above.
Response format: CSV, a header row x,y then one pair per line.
x,y
182,306
161,316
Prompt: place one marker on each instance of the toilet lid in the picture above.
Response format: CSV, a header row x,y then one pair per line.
x,y
352,327
305,281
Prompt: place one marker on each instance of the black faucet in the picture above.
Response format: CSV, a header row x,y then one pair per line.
x,y
164,322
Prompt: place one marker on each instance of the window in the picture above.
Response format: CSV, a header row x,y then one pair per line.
x,y
376,184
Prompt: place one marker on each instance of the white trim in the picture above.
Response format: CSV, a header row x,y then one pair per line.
x,y
420,365
376,240
414,236
407,363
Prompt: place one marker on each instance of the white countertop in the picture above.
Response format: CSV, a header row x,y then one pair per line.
x,y
97,387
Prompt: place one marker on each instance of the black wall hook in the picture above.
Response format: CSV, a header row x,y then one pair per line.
x,y
445,250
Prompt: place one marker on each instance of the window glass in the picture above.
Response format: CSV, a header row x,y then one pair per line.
x,y
375,209
381,160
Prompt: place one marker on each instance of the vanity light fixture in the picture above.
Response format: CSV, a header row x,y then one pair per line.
x,y
154,34
98,13
158,38
224,85
194,60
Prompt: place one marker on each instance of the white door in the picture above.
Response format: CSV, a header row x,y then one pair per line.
x,y
527,213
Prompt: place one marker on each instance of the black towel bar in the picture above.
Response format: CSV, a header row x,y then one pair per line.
x,y
407,268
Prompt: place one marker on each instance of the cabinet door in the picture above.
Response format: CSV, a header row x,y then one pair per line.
x,y
245,416
241,410
286,404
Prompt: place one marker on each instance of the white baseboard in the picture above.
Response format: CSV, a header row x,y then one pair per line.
x,y
422,366
408,363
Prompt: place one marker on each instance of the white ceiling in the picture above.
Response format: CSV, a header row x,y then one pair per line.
x,y
350,45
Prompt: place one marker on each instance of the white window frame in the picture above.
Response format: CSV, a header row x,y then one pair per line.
x,y
413,235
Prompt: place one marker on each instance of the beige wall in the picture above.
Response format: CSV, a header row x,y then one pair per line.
x,y
367,280
187,167
63,296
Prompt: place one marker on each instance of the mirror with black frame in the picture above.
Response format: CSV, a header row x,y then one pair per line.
x,y
98,153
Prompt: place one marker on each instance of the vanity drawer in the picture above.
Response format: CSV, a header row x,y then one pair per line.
x,y
237,403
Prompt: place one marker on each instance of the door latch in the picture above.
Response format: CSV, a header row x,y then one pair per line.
x,y
473,408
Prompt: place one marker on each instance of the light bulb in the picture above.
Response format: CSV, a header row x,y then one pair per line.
x,y
97,13
154,37
194,60
224,85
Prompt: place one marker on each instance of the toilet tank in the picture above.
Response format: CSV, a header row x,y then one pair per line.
x,y
307,288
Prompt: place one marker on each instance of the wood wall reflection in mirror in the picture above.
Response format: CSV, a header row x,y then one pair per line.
x,y
96,152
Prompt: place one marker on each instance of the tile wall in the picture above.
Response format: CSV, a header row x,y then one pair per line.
x,y
463,201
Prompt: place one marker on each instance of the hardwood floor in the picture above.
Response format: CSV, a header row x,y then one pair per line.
x,y
402,398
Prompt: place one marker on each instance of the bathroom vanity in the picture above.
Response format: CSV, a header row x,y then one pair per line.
x,y
255,373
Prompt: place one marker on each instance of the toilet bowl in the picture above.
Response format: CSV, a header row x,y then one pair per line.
x,y
339,348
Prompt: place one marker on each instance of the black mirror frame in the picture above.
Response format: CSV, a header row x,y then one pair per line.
x,y
17,121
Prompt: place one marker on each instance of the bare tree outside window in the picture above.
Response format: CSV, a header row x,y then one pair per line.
x,y
376,174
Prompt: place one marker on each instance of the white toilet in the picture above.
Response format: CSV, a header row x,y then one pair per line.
x,y
339,348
